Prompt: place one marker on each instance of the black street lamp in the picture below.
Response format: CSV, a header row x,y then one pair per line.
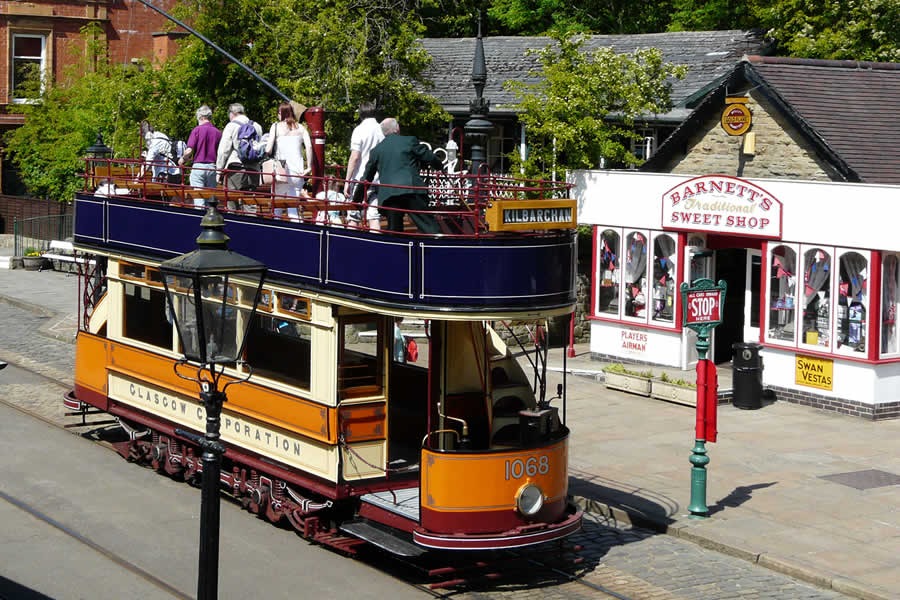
x,y
98,156
212,295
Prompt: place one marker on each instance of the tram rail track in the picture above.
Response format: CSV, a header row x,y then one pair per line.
x,y
508,570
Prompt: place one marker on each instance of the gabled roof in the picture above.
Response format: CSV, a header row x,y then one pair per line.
x,y
708,55
846,109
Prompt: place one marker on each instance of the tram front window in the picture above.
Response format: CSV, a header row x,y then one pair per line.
x,y
360,356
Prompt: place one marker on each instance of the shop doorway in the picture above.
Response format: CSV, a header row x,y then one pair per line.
x,y
752,296
731,266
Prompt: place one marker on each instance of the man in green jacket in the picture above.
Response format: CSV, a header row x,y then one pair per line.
x,y
398,160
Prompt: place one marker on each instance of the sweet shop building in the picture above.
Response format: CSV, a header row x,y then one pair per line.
x,y
784,183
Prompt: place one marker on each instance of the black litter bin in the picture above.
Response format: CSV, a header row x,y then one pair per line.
x,y
747,381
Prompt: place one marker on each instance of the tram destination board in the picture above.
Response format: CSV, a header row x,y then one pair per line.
x,y
521,215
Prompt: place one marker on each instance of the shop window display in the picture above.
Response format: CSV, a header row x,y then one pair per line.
x,y
636,275
890,304
852,302
816,298
608,273
782,294
664,278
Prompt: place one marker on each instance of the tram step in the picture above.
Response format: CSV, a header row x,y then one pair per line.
x,y
381,538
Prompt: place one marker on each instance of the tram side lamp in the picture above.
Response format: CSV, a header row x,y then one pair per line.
x,y
536,425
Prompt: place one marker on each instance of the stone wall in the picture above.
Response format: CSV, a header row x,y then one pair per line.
x,y
781,152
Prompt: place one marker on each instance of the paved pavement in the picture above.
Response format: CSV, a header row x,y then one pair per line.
x,y
809,494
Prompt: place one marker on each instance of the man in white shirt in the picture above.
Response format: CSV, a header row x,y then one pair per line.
x,y
365,136
241,176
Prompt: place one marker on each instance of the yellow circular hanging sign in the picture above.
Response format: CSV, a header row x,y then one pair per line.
x,y
736,119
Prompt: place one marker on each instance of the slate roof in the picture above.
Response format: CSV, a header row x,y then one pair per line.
x,y
709,55
847,109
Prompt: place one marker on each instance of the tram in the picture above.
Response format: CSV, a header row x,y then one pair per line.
x,y
339,432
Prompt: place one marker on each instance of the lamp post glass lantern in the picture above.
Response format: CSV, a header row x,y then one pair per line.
x,y
212,294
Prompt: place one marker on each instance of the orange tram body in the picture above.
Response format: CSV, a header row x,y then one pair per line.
x,y
338,432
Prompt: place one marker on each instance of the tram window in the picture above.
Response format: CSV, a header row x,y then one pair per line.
x,y
280,350
145,316
360,367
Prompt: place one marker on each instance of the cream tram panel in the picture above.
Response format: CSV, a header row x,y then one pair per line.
x,y
362,462
257,436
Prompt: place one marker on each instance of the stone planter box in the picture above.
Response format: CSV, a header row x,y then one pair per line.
x,y
35,263
633,384
666,390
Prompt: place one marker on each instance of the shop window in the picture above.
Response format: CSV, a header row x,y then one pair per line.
x,y
852,302
664,275
890,304
635,275
816,298
29,63
782,294
609,275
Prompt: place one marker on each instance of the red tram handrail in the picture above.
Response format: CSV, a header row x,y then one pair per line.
x,y
461,198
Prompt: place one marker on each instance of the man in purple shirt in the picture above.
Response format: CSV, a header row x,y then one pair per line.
x,y
202,146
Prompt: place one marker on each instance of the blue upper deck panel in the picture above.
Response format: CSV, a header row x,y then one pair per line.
x,y
485,272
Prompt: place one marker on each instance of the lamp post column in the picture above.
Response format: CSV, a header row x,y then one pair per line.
x,y
208,576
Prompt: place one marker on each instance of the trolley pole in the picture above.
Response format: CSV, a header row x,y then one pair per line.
x,y
702,304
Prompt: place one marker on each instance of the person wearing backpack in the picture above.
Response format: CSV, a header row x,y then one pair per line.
x,y
158,158
240,152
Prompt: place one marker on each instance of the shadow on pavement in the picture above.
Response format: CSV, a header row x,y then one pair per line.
x,y
10,590
644,507
738,496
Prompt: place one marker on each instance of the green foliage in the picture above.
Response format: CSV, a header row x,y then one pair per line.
x,y
834,29
620,368
32,251
712,15
542,17
666,378
584,105
333,55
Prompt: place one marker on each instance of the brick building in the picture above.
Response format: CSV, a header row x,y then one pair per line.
x,y
43,36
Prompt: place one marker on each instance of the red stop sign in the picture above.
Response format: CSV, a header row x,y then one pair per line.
x,y
704,306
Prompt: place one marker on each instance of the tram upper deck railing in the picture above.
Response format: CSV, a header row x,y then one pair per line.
x,y
504,246
463,204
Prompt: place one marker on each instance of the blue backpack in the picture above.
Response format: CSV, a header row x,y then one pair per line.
x,y
249,149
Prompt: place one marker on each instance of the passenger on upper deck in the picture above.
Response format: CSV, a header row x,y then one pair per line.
x,y
365,136
245,176
289,143
202,145
398,160
159,158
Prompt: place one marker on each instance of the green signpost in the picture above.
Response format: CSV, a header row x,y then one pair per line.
x,y
702,304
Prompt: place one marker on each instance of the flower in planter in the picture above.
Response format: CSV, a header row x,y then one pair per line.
x,y
32,252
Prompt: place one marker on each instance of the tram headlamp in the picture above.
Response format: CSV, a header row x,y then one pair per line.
x,y
530,500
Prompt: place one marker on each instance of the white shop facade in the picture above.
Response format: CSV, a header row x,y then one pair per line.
x,y
812,269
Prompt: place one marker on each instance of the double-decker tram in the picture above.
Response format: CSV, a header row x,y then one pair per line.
x,y
341,431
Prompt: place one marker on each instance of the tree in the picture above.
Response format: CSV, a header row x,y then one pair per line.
x,y
92,97
853,30
333,55
585,104
541,17
712,15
